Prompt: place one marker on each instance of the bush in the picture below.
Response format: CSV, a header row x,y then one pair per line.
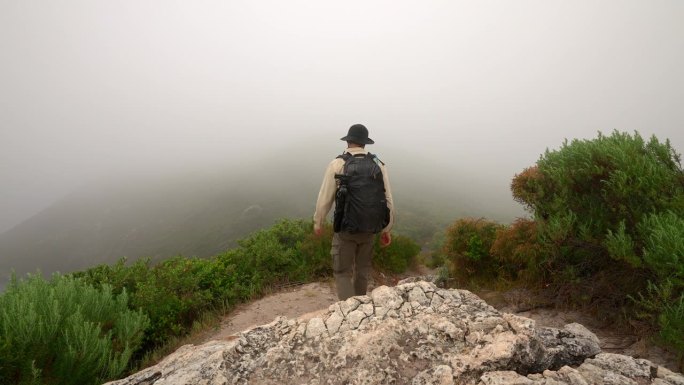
x,y
599,201
396,257
518,251
671,324
172,294
590,190
65,332
467,246
662,237
316,252
286,252
609,214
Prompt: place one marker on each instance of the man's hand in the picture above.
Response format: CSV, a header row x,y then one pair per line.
x,y
385,239
318,231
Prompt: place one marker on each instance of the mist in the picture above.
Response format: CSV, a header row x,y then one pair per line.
x,y
459,96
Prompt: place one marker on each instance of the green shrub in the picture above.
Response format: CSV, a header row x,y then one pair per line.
x,y
671,324
316,252
467,246
610,218
595,201
620,246
590,189
172,293
662,236
396,257
655,305
65,332
286,252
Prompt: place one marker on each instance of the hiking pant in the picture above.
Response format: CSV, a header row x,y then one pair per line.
x,y
351,254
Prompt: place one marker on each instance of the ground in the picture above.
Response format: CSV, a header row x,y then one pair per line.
x,y
292,302
308,300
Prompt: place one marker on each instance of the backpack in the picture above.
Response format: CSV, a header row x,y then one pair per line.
x,y
360,202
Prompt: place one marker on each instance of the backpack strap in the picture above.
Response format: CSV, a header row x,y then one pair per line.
x,y
376,159
346,156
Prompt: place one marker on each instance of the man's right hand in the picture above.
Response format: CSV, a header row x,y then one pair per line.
x,y
318,231
385,239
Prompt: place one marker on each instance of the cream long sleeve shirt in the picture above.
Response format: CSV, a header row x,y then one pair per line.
x,y
326,196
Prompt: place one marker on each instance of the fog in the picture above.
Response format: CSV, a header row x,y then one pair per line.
x,y
477,90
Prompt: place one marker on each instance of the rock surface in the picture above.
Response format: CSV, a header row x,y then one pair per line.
x,y
414,333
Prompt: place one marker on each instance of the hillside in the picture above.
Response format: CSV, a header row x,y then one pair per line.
x,y
189,215
203,213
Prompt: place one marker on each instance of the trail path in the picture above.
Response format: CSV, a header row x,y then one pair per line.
x,y
291,303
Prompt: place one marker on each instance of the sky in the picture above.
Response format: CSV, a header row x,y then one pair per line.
x,y
95,88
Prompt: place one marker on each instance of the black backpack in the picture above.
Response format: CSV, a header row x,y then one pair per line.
x,y
360,203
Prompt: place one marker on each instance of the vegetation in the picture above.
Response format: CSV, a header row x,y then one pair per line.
x,y
467,246
615,205
93,325
517,251
607,229
65,331
398,256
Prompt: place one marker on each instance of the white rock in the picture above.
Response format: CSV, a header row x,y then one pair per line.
x,y
334,322
315,327
675,379
349,305
438,375
520,324
627,366
381,312
418,295
436,301
448,328
354,318
384,296
504,378
367,309
596,375
364,299
406,311
581,332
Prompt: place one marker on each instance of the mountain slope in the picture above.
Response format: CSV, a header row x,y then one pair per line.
x,y
204,213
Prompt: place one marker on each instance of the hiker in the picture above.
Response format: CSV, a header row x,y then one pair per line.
x,y
357,182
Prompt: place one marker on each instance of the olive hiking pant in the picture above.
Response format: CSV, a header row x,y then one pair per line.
x,y
352,255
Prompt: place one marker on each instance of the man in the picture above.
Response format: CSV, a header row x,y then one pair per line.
x,y
358,184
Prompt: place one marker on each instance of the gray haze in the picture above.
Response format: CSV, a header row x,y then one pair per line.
x,y
90,89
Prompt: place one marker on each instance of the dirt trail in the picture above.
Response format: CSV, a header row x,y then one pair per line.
x,y
291,303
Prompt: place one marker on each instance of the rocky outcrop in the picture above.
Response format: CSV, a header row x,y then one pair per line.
x,y
414,333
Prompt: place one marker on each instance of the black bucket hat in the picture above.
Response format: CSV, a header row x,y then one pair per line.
x,y
358,133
